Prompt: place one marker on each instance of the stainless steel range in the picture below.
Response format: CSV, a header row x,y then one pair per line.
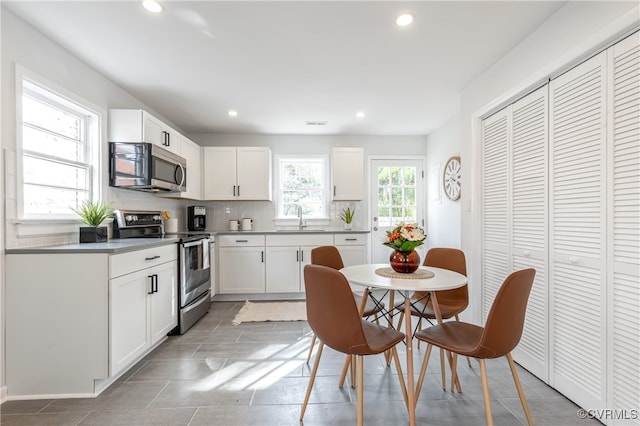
x,y
194,268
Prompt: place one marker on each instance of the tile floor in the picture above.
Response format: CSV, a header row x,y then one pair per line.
x,y
255,374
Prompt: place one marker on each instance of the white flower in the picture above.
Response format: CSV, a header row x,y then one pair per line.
x,y
415,234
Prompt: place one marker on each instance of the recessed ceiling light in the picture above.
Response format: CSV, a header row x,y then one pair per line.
x,y
152,6
232,113
360,114
404,19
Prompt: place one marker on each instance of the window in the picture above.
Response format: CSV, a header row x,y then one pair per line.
x,y
59,148
302,182
396,195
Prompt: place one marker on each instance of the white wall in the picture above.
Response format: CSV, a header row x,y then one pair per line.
x,y
575,32
443,215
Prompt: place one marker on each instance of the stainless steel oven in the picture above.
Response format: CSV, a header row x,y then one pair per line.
x,y
195,279
194,266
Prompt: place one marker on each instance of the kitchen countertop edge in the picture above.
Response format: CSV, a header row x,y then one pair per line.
x,y
293,232
113,246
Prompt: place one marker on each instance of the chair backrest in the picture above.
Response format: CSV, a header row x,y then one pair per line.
x,y
453,260
327,256
331,310
505,322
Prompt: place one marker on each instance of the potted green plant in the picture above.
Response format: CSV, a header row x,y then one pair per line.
x,y
347,217
93,213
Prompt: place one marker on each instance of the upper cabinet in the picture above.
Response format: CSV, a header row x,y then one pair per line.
x,y
192,152
347,174
136,125
237,173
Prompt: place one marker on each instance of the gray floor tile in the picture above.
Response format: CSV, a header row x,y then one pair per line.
x,y
256,373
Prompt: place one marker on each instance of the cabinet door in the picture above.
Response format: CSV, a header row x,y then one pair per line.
x,y
192,153
152,130
219,173
163,302
283,269
242,270
253,173
129,337
347,173
353,255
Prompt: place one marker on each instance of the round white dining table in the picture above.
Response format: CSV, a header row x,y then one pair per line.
x,y
443,279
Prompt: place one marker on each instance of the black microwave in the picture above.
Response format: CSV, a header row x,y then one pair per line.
x,y
145,167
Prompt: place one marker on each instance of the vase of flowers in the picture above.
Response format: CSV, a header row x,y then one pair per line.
x,y
404,239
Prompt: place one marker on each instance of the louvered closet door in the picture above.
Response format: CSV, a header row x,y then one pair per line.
x,y
624,268
529,245
577,233
495,218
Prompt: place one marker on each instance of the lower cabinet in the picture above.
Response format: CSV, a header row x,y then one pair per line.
x,y
87,317
242,263
274,263
353,248
143,309
287,256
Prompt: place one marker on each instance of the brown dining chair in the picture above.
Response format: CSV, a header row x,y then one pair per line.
x,y
334,318
450,302
497,338
330,256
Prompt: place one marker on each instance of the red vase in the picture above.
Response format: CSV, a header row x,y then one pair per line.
x,y
404,262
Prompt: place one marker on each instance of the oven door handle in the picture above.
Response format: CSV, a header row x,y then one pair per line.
x,y
193,243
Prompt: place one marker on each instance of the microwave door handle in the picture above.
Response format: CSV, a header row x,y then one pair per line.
x,y
182,174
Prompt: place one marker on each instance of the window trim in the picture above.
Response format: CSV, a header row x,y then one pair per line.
x,y
326,192
96,133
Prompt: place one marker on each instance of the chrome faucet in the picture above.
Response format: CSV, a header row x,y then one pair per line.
x,y
301,224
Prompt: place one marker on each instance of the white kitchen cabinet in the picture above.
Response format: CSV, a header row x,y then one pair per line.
x,y
287,256
353,248
136,125
87,317
192,152
241,263
237,173
143,303
347,174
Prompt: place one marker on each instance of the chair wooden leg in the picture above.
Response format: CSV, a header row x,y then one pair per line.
x,y
468,359
312,378
353,371
400,318
345,369
485,392
313,342
360,390
442,355
403,387
423,371
454,371
516,379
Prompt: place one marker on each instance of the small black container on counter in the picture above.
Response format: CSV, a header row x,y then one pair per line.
x,y
93,234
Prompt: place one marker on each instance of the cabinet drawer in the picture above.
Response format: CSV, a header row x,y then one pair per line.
x,y
125,263
350,239
300,240
240,240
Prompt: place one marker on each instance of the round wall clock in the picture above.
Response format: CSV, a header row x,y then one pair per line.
x,y
451,178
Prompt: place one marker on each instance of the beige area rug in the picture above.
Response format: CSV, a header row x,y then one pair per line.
x,y
271,311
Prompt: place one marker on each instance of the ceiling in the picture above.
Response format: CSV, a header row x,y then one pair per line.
x,y
283,64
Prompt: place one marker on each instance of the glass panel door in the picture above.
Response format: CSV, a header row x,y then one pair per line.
x,y
397,196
